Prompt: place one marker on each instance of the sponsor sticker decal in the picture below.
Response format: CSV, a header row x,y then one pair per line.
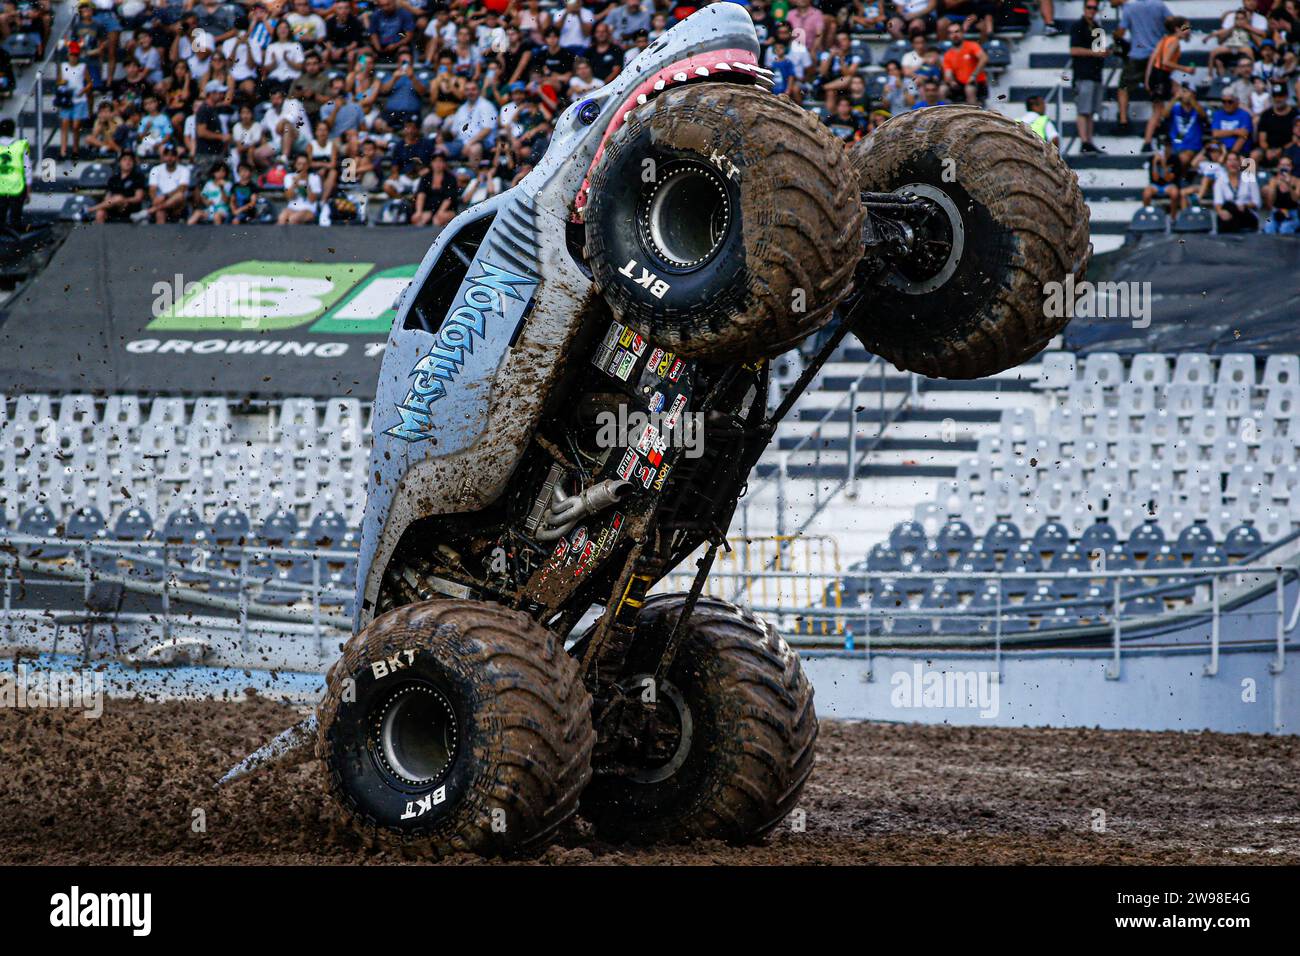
x,y
627,465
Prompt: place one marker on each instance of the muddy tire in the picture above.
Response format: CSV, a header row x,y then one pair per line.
x,y
744,237
736,768
1023,224
467,727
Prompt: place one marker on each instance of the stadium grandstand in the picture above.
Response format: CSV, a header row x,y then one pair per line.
x,y
495,74
1091,496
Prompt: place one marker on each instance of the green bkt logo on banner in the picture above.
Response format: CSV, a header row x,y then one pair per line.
x,y
267,296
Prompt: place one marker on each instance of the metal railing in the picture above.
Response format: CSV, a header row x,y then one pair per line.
x,y
228,579
872,378
1212,600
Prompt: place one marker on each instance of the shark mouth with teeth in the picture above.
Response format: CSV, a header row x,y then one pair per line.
x,y
733,63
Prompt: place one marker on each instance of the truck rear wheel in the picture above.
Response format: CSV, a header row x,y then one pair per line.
x,y
723,222
736,729
459,723
1012,219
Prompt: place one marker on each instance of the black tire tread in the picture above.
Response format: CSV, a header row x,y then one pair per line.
x,y
1028,188
802,224
770,747
530,692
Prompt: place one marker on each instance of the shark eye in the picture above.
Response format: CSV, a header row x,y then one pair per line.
x,y
587,112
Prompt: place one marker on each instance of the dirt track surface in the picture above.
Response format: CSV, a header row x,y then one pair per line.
x,y
123,788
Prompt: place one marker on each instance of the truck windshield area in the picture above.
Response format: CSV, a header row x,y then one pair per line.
x,y
435,297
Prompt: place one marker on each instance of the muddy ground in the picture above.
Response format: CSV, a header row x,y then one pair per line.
x,y
124,788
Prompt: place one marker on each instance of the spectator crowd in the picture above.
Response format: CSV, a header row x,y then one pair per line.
x,y
208,108
1225,135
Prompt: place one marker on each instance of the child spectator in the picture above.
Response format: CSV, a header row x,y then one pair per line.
x,y
303,187
243,196
213,203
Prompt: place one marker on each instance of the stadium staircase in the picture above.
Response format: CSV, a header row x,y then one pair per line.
x,y
1113,182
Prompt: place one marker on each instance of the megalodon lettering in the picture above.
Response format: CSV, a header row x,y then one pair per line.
x,y
482,301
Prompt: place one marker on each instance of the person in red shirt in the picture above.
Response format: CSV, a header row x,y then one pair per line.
x,y
963,66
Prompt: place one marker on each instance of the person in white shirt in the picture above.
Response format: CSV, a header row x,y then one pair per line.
x,y
285,124
472,127
575,23
169,187
246,139
306,25
284,57
303,187
583,80
1236,197
74,86
245,59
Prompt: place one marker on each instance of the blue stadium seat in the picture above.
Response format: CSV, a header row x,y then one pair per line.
x,y
1098,537
94,176
889,599
1145,606
1051,538
976,560
1023,560
1070,558
852,586
395,212
1002,536
275,590
931,562
1118,559
40,522
136,524
954,537
896,50
133,524
1018,589
908,536
1210,556
998,52
884,559
1192,539
1067,589
279,529
185,533
1143,540
76,208
1147,221
1196,219
231,528
22,47
328,529
87,524
1241,541
1166,558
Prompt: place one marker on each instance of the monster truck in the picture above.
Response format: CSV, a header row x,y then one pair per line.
x,y
509,665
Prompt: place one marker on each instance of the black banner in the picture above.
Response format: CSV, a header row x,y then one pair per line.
x,y
266,311
1205,294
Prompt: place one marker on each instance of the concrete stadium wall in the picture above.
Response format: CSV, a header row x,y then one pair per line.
x,y
1157,689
